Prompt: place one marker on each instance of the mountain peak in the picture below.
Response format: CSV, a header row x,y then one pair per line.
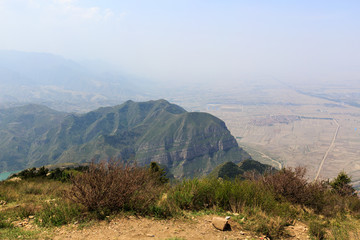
x,y
188,144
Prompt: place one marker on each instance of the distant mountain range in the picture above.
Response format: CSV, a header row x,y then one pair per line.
x,y
187,143
64,84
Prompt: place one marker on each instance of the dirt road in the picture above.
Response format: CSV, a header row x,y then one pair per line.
x,y
328,150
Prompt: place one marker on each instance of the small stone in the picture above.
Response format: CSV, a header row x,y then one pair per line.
x,y
227,217
31,217
242,233
221,224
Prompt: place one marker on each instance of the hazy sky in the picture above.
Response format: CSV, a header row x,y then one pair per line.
x,y
193,40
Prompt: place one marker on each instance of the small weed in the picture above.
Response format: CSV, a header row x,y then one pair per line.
x,y
160,212
86,224
18,233
25,211
33,190
58,214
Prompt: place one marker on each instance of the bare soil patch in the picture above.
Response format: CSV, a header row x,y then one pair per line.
x,y
199,227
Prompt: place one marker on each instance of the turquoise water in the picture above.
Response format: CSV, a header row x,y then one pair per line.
x,y
5,175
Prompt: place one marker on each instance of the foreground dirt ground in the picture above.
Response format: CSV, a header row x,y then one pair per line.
x,y
199,227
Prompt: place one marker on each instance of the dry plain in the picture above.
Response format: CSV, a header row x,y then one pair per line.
x,y
283,127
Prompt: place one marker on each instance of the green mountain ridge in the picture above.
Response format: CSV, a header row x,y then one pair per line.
x,y
187,143
19,128
231,170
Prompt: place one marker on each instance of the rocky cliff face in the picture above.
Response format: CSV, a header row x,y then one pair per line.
x,y
195,144
188,144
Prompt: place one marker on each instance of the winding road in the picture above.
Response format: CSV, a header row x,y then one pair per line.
x,y
327,152
263,155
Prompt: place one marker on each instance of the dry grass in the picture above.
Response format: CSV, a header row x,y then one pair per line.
x,y
28,198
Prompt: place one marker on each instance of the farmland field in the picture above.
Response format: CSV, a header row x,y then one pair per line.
x,y
285,127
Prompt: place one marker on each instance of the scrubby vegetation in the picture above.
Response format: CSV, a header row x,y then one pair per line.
x,y
60,174
113,186
265,205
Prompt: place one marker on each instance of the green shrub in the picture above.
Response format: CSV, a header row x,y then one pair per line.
x,y
339,230
59,175
194,194
271,228
32,173
341,185
256,220
250,193
354,205
226,195
317,230
182,194
4,223
158,172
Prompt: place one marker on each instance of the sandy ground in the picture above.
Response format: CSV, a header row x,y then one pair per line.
x,y
143,228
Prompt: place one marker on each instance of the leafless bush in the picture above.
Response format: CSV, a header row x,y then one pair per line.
x,y
292,185
114,186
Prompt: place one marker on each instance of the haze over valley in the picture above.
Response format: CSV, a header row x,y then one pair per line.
x,y
276,123
284,77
